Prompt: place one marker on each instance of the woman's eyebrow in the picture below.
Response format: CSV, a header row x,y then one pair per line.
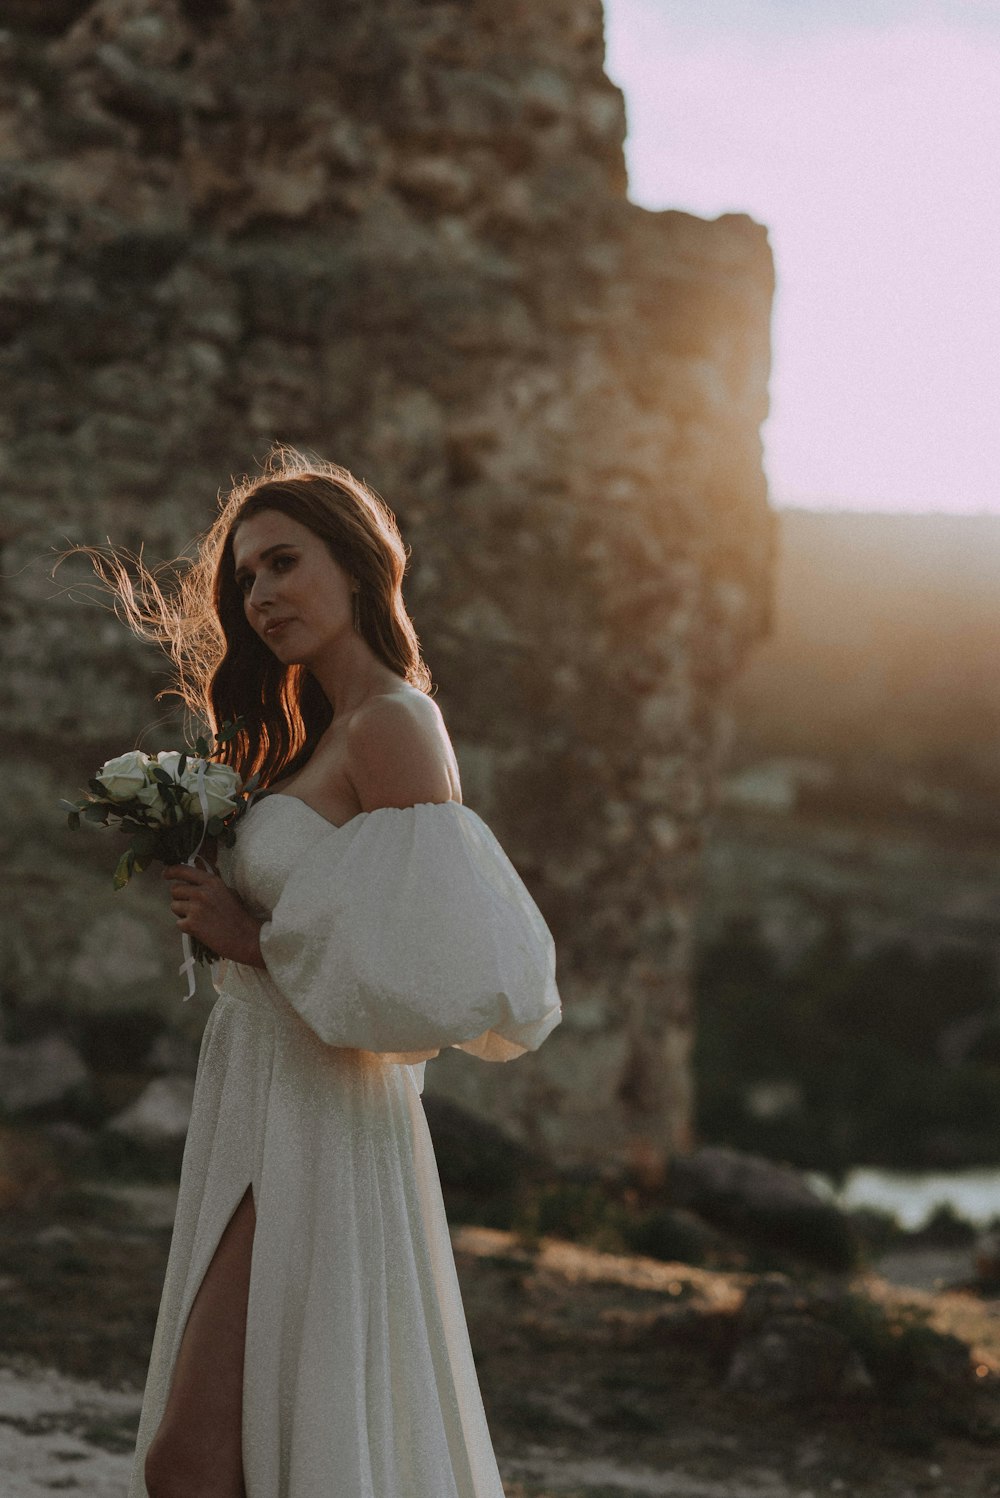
x,y
267,552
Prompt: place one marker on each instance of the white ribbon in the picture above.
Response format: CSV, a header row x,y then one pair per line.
x,y
188,965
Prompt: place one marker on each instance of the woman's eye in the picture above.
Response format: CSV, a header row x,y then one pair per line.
x,y
277,564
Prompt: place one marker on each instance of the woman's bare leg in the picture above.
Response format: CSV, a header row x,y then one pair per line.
x,y
197,1450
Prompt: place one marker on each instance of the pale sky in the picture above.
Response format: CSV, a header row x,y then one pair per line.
x,y
865,135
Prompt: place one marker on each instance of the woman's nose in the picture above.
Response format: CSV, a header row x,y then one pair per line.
x,y
260,594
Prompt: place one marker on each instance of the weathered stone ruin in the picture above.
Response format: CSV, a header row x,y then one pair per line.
x,y
397,233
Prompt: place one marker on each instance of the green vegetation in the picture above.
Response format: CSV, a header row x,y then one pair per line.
x,y
889,1059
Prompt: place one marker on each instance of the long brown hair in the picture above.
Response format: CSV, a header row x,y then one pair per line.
x,y
223,671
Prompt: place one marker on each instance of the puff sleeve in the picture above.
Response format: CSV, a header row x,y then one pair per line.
x,y
408,929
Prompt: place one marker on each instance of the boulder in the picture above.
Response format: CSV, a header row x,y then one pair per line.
x,y
170,1052
71,1139
39,1073
794,1358
476,1160
116,951
772,1295
773,1204
939,1360
677,1236
159,1115
987,1257
30,1168
805,1341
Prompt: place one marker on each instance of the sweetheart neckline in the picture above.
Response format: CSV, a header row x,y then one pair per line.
x,y
339,826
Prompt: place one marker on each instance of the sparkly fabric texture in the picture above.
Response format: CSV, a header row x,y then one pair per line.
x,y
405,930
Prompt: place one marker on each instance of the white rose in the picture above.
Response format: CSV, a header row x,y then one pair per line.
x,y
169,759
125,776
221,786
157,811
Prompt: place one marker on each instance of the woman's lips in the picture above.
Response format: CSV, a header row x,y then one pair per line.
x,y
274,626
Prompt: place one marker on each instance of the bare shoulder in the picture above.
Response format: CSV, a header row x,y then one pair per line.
x,y
404,710
399,753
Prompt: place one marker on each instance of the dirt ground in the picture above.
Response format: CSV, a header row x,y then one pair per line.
x,y
603,1376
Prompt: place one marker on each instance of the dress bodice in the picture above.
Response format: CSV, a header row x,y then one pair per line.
x,y
400,931
270,838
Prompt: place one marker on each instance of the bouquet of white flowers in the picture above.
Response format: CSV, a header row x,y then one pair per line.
x,y
168,804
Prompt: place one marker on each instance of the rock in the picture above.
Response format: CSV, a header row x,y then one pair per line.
x,y
116,951
545,96
987,1257
68,1137
939,1358
602,117
169,1052
817,1340
436,180
57,1232
474,1157
159,1115
775,1204
38,1073
676,1235
29,1168
403,242
793,1358
769,1296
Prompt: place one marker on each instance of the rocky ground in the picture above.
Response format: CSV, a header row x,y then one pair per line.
x,y
605,1376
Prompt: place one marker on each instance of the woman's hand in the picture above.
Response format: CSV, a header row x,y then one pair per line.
x,y
207,909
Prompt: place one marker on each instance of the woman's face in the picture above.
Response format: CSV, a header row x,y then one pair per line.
x,y
295,596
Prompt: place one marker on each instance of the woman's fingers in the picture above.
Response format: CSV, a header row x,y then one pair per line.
x,y
184,891
207,909
195,894
190,875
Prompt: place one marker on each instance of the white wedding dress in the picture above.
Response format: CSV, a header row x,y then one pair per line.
x,y
404,930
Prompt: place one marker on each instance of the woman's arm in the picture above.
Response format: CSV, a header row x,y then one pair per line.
x,y
207,909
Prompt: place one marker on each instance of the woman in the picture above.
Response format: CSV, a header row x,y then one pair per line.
x,y
311,1340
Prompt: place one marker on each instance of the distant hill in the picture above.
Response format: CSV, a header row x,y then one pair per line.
x,y
849,928
886,645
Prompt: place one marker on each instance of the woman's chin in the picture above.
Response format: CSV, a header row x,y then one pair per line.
x,y
284,653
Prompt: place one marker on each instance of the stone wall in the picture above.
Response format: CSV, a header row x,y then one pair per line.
x,y
398,233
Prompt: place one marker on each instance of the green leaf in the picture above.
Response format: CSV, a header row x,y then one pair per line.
x,y
215,826
97,788
160,774
95,812
73,821
123,871
201,747
182,764
229,730
252,783
67,805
